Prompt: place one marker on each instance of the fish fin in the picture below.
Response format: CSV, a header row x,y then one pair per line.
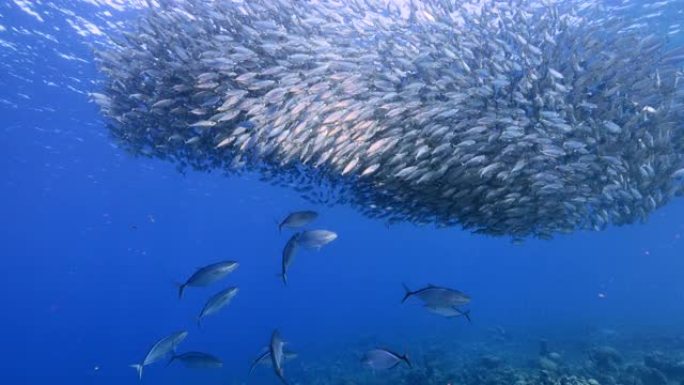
x,y
281,376
407,293
257,360
173,358
138,368
279,224
466,314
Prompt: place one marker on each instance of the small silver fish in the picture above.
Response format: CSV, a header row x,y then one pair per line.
x,y
448,311
288,255
277,354
209,274
437,296
315,239
298,219
528,137
160,350
217,302
383,359
265,358
197,360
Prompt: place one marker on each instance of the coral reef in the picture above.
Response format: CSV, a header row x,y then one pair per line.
x,y
634,362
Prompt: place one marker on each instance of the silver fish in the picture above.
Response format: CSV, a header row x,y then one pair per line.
x,y
197,360
209,274
437,296
298,219
277,354
289,252
448,311
315,239
537,120
217,302
265,358
383,359
160,349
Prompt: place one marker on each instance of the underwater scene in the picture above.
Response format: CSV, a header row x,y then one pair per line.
x,y
342,192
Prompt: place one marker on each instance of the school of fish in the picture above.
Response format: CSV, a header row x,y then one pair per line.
x,y
519,118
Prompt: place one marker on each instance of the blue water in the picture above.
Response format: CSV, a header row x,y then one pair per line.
x,y
93,241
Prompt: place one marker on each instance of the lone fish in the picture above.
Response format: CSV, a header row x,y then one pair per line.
x,y
298,219
288,255
437,296
448,311
197,360
382,359
209,274
315,239
159,350
265,358
217,302
275,348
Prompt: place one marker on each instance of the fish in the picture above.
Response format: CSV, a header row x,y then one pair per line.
x,y
448,311
159,350
275,349
298,219
383,359
315,239
217,302
289,252
265,358
544,129
436,296
197,360
207,275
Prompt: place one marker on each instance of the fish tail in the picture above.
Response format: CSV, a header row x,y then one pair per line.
x,y
173,358
407,294
466,314
282,378
405,358
138,368
181,288
283,277
257,360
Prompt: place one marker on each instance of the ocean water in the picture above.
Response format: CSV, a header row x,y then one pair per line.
x,y
94,241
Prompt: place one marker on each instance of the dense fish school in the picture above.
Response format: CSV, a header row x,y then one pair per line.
x,y
517,118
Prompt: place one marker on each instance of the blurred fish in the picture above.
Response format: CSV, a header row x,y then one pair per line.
x,y
448,312
160,350
315,239
265,358
275,349
437,297
197,360
288,255
217,302
209,274
382,359
298,219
